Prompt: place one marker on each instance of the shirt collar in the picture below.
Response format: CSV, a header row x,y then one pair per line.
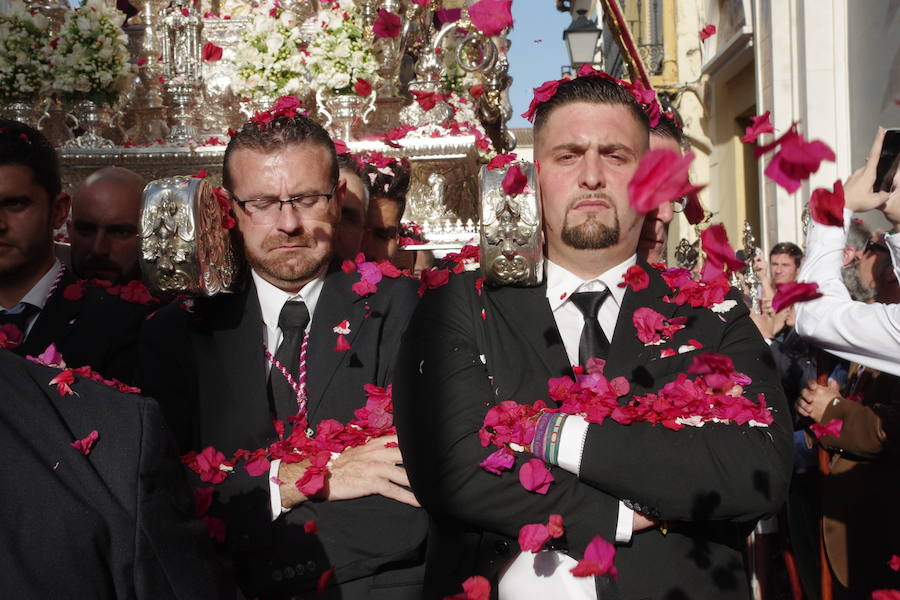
x,y
38,295
561,283
272,299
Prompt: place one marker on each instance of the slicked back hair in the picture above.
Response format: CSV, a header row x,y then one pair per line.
x,y
26,146
278,134
592,90
668,128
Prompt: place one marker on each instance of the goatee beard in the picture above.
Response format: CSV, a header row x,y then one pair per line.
x,y
592,234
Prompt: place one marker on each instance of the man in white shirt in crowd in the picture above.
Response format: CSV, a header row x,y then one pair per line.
x,y
865,333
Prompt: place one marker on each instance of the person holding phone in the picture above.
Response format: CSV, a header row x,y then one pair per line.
x,y
865,333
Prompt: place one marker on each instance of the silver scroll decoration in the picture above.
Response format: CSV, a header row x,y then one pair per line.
x,y
510,230
184,247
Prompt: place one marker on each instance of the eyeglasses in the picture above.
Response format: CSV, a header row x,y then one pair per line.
x,y
267,210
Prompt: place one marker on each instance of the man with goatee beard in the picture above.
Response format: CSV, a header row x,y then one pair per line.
x,y
224,371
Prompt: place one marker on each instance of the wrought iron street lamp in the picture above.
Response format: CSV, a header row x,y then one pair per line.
x,y
581,39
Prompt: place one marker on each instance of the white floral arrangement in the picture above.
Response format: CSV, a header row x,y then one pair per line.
x,y
24,69
339,53
90,59
268,60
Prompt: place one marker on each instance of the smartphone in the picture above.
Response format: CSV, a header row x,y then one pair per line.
x,y
888,162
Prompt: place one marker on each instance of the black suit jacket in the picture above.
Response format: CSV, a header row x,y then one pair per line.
x,y
208,371
98,329
454,365
113,524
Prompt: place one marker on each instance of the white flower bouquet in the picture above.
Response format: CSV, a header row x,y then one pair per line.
x,y
268,61
89,60
339,55
23,59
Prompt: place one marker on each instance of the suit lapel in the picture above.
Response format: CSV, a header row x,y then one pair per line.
x,y
530,317
626,350
54,321
233,349
337,302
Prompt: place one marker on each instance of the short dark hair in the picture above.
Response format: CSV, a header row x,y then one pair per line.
x,y
278,133
593,90
789,248
384,185
668,128
347,162
26,146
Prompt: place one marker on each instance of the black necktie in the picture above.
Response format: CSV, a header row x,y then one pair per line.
x,y
292,322
593,342
19,319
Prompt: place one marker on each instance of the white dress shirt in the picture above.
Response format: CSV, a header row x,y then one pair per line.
x,y
547,574
38,294
271,301
868,334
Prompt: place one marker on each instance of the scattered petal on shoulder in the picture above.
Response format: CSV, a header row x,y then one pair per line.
x,y
11,336
636,278
74,291
598,559
793,292
534,476
533,536
310,527
491,17
62,382
661,176
86,444
431,279
827,207
760,125
474,588
832,428
341,345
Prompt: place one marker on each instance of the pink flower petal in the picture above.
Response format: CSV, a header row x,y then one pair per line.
x,y
719,252
761,124
555,526
211,52
832,428
793,292
707,32
598,559
387,25
532,537
501,160
534,476
514,181
491,17
499,461
86,444
636,278
827,207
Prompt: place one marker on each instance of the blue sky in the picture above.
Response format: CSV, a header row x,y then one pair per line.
x,y
532,62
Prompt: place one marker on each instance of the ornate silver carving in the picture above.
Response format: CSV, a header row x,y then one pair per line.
x,y
181,57
344,114
147,121
184,248
510,230
686,254
751,279
30,113
91,118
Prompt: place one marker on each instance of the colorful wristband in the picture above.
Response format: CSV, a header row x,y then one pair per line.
x,y
546,437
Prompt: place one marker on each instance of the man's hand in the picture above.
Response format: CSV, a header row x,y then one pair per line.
x,y
370,469
641,522
764,323
815,398
357,472
858,194
891,208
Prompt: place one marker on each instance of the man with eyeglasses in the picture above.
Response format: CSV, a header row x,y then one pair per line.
x,y
41,301
224,372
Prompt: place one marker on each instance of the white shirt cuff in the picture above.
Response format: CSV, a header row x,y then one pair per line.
x,y
275,490
571,443
625,524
